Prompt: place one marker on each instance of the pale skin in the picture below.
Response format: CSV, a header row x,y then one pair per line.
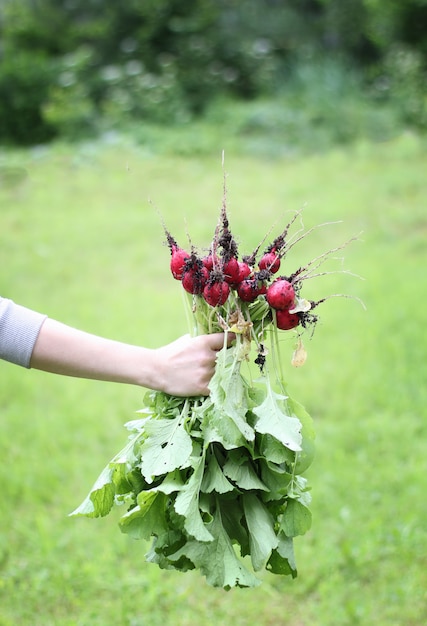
x,y
182,368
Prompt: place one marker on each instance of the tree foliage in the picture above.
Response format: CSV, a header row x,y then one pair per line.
x,y
67,64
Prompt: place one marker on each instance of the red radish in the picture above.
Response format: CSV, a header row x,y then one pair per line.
x,y
178,256
286,320
209,261
216,293
248,290
178,259
270,261
244,271
280,294
231,270
194,277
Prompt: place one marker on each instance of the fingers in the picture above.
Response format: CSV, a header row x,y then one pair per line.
x,y
188,363
216,340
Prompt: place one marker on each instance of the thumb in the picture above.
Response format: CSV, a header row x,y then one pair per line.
x,y
216,340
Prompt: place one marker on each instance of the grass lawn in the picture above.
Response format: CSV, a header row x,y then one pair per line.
x,y
81,240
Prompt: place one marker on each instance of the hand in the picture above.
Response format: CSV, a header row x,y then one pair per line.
x,y
186,365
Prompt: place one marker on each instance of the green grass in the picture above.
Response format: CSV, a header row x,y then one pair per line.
x,y
81,240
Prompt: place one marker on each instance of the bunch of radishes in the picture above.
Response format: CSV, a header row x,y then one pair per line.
x,y
220,276
208,478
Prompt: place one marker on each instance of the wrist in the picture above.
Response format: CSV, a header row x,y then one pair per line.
x,y
147,369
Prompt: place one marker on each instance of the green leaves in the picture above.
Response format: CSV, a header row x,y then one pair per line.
x,y
147,517
262,536
187,504
229,392
100,500
217,560
212,481
274,420
168,446
296,519
214,478
242,472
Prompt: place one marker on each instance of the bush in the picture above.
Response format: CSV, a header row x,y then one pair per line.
x,y
402,81
321,104
24,86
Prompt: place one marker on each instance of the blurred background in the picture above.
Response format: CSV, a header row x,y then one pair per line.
x,y
315,71
113,117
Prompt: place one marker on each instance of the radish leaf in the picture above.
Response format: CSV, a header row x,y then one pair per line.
x,y
273,420
262,537
296,519
187,504
147,517
238,469
214,479
229,392
168,446
282,560
100,500
217,560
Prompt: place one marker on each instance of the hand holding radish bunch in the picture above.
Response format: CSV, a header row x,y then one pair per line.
x,y
206,478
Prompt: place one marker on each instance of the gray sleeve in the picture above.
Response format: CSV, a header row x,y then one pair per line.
x,y
19,329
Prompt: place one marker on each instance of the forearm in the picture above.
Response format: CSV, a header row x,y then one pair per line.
x,y
183,367
60,349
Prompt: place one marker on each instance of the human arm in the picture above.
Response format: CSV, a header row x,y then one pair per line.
x,y
183,367
32,340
